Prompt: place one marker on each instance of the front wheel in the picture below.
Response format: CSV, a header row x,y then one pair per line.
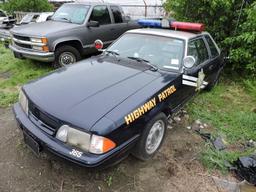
x,y
66,55
151,138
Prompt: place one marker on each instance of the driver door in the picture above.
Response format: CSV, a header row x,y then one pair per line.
x,y
197,77
100,13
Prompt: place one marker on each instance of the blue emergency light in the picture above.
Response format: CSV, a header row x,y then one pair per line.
x,y
150,23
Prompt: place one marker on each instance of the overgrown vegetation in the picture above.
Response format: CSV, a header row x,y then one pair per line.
x,y
221,20
231,109
27,6
14,73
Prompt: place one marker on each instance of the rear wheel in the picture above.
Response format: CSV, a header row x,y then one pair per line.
x,y
152,138
66,55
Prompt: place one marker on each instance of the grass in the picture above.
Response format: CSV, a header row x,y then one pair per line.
x,y
14,73
231,109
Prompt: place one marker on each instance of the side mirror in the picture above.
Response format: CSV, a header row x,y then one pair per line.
x,y
189,62
98,44
93,24
49,18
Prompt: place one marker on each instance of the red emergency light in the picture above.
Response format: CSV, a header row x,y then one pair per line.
x,y
186,26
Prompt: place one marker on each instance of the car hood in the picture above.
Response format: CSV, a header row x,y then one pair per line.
x,y
35,29
83,93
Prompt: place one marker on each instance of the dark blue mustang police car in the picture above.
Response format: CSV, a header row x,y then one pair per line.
x,y
98,111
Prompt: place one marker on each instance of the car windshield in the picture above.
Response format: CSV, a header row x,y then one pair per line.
x,y
162,52
72,13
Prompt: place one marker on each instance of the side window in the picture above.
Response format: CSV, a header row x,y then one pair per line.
x,y
198,50
100,14
117,14
212,46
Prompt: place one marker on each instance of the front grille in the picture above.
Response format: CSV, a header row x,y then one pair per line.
x,y
45,121
21,38
23,45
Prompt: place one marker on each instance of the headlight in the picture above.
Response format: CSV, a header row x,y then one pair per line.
x,y
39,40
23,101
92,143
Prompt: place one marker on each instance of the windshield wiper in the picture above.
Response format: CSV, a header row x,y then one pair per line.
x,y
112,52
155,68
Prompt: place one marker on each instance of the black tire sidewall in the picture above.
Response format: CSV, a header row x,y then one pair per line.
x,y
62,49
140,149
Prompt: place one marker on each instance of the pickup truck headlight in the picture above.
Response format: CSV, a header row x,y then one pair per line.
x,y
39,40
92,143
23,101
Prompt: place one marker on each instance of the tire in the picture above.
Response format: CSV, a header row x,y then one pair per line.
x,y
212,84
142,149
66,55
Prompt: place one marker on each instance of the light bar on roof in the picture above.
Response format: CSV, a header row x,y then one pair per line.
x,y
183,26
150,23
186,26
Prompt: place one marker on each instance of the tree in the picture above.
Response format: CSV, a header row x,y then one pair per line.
x,y
28,6
220,18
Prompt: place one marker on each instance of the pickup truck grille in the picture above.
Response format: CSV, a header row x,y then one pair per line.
x,y
23,45
21,38
46,122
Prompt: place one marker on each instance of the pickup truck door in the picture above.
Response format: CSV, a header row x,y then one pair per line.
x,y
100,13
119,25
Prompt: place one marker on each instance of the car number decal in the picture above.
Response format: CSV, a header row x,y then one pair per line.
x,y
76,153
149,105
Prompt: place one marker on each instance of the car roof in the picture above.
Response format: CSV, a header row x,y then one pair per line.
x,y
91,3
167,33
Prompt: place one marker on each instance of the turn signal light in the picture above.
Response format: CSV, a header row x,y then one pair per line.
x,y
44,40
100,145
45,48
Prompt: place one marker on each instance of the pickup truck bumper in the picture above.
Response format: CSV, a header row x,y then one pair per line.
x,y
30,54
50,143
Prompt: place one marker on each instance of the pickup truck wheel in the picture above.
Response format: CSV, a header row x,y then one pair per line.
x,y
152,138
66,55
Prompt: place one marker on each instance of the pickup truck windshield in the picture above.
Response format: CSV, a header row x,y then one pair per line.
x,y
163,52
72,13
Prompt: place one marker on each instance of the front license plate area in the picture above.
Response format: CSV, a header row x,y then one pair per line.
x,y
32,143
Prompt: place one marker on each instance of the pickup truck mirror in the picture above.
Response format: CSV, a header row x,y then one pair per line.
x,y
98,44
93,24
49,18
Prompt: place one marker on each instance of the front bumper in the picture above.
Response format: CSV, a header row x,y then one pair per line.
x,y
50,143
30,54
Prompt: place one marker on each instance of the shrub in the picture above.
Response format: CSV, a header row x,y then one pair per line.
x,y
28,6
220,18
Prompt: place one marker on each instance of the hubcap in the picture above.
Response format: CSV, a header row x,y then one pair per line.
x,y
67,58
155,137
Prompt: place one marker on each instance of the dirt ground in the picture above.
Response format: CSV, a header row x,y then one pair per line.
x,y
174,169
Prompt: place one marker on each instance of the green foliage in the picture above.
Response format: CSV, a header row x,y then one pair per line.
x,y
230,109
28,6
220,18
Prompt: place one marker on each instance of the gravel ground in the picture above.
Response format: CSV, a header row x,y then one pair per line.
x,y
175,168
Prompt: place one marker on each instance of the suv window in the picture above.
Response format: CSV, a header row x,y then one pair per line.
x,y
117,14
212,46
101,14
198,50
